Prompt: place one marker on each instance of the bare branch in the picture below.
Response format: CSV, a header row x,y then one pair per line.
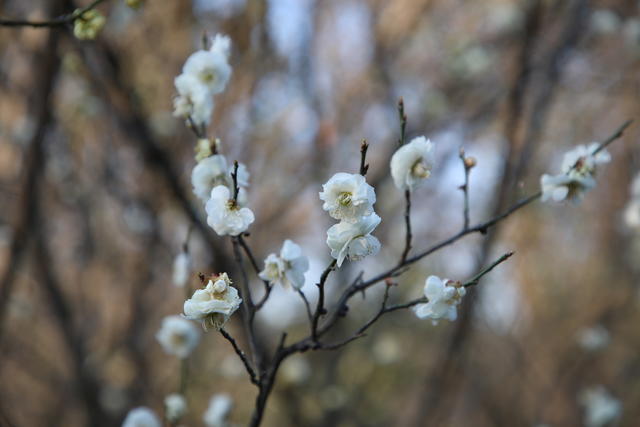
x,y
320,310
475,279
363,157
407,221
241,355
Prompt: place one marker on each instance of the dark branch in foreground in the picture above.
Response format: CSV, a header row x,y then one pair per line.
x,y
56,22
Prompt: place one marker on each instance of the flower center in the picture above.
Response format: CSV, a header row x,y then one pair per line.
x,y
420,170
232,205
208,76
344,198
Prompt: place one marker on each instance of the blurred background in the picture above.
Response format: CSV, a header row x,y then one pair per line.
x,y
96,202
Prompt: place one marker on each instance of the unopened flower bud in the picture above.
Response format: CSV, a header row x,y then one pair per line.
x,y
470,162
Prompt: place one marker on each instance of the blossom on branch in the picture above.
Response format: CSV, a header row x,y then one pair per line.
x,y
214,304
225,215
443,295
193,100
412,163
211,67
288,268
178,336
348,197
141,417
578,174
213,171
353,240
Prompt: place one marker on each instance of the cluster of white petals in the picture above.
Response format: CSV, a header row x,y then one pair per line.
x,y
178,336
288,268
353,240
632,211
443,297
181,269
141,417
214,304
579,168
217,413
204,74
601,408
175,407
412,163
225,215
348,197
213,171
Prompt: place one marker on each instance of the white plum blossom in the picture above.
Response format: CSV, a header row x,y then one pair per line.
x,y
193,100
601,408
412,163
217,413
225,215
348,197
578,174
141,417
214,304
213,171
175,407
353,240
181,269
210,67
288,268
443,295
178,336
593,338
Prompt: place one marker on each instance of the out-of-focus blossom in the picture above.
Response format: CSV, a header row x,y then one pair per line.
x,y
348,197
217,413
181,269
175,406
601,408
444,295
288,268
87,25
594,338
178,336
412,163
225,215
579,168
141,417
353,240
214,304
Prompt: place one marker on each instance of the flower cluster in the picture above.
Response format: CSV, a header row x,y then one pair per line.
x,y
214,304
412,163
348,198
578,174
226,214
178,336
204,74
288,268
443,296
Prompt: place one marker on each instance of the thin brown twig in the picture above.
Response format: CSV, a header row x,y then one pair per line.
x,y
364,167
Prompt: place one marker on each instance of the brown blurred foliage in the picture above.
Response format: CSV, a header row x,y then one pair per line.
x,y
95,202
